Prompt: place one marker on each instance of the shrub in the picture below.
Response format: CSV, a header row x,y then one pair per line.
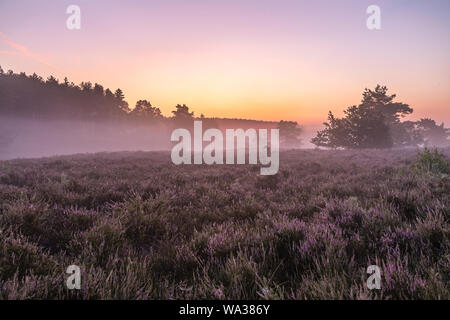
x,y
432,161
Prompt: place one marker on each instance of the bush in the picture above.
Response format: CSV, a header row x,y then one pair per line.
x,y
432,161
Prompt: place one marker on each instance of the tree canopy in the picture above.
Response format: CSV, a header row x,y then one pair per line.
x,y
32,96
376,123
289,133
145,110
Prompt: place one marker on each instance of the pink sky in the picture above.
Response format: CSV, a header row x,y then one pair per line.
x,y
265,59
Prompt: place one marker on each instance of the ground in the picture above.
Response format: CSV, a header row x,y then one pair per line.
x,y
142,228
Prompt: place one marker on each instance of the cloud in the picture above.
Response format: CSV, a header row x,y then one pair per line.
x,y
10,53
24,51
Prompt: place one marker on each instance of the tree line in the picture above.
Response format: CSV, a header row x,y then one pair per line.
x,y
31,96
376,123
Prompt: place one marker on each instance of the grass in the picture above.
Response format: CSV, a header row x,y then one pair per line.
x,y
142,228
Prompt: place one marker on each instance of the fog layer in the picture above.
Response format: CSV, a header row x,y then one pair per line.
x,y
28,138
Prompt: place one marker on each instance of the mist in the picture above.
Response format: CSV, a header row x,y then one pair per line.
x,y
33,138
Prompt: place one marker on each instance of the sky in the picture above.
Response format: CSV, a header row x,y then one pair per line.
x,y
256,59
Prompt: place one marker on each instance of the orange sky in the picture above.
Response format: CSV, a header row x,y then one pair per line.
x,y
268,60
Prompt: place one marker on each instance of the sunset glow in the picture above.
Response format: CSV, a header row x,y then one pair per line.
x,y
267,60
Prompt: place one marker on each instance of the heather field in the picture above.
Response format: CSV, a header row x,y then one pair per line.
x,y
143,228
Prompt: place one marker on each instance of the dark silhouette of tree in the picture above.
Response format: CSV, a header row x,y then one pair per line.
x,y
367,128
182,112
144,110
289,133
182,116
98,89
433,134
334,135
120,100
33,97
375,123
391,111
118,94
86,86
109,94
66,82
50,80
379,100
